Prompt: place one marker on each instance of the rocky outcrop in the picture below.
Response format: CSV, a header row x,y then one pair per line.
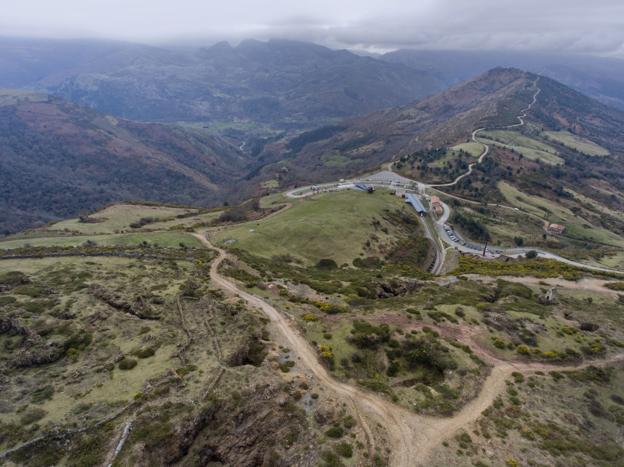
x,y
252,431
137,306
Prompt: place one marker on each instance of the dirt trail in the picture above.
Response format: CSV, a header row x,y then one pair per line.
x,y
412,437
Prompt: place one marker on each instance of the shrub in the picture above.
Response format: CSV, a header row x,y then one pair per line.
x,y
368,336
14,278
344,450
349,422
498,342
42,394
327,355
591,327
185,370
32,415
617,399
33,291
326,263
330,459
619,286
7,301
472,227
531,254
335,432
145,352
286,366
127,363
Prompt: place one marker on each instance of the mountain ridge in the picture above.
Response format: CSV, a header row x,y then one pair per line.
x,y
59,159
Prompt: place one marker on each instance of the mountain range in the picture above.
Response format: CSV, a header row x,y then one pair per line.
x,y
599,77
277,83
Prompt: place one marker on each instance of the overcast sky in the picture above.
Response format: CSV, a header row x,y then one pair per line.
x,y
574,25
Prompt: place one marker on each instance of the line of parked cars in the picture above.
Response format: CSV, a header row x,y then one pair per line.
x,y
452,235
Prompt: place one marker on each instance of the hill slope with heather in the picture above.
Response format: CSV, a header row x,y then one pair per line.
x,y
493,100
59,159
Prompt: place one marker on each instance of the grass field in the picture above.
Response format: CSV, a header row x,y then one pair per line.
x,y
595,205
582,145
335,225
528,147
164,239
452,154
118,217
335,159
472,148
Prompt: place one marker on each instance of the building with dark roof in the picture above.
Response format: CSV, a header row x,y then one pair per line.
x,y
416,203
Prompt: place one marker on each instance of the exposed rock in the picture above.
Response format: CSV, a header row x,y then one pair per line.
x,y
250,352
138,306
247,432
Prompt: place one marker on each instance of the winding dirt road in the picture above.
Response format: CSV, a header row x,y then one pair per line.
x,y
412,437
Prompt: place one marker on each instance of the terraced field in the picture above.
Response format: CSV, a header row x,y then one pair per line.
x,y
528,147
576,226
577,143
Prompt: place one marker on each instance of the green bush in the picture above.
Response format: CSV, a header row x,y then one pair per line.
x,y
335,432
145,352
14,278
349,422
31,290
344,450
619,286
127,363
368,336
330,459
32,415
43,394
7,301
327,264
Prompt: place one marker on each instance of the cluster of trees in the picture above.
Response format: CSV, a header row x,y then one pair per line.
x,y
472,227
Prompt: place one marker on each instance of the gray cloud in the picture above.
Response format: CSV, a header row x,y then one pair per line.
x,y
570,25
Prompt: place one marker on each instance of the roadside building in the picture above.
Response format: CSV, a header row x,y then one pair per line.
x,y
436,205
416,203
555,229
365,188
